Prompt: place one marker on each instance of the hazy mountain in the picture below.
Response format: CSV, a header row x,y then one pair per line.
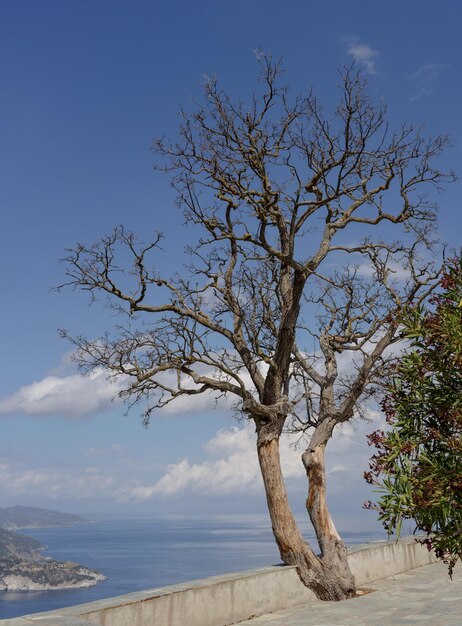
x,y
15,517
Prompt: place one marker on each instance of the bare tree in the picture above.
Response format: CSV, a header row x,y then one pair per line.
x,y
313,238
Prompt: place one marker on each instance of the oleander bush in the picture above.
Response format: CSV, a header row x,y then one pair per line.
x,y
417,466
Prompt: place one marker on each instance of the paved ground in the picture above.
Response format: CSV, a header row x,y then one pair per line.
x,y
424,596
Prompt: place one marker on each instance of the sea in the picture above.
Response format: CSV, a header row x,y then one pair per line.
x,y
138,554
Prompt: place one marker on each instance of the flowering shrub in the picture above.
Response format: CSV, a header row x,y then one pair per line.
x,y
417,466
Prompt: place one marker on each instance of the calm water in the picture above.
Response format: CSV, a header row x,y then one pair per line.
x,y
147,553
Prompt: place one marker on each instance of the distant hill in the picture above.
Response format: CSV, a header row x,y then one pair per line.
x,y
15,517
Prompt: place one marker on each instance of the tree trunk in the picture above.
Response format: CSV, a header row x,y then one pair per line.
x,y
333,551
326,577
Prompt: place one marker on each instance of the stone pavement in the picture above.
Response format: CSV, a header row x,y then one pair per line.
x,y
425,596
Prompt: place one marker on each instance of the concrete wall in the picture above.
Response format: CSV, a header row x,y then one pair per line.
x,y
371,562
224,600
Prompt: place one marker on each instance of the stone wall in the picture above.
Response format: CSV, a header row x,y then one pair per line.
x,y
224,600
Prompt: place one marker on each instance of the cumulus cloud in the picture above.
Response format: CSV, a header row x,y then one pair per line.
x,y
206,401
232,466
230,469
426,77
69,394
363,54
65,396
201,403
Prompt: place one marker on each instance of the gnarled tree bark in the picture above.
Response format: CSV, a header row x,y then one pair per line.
x,y
334,554
328,574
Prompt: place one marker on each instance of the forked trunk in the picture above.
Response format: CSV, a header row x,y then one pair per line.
x,y
327,577
333,551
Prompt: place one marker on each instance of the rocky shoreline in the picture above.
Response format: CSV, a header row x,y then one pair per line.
x,y
45,575
23,568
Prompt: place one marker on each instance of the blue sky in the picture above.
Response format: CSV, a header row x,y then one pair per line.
x,y
85,86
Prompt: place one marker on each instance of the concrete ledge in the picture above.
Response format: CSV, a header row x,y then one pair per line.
x,y
374,561
224,600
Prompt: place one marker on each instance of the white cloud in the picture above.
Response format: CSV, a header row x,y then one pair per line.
x,y
66,396
232,466
206,401
364,55
199,403
230,469
426,77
